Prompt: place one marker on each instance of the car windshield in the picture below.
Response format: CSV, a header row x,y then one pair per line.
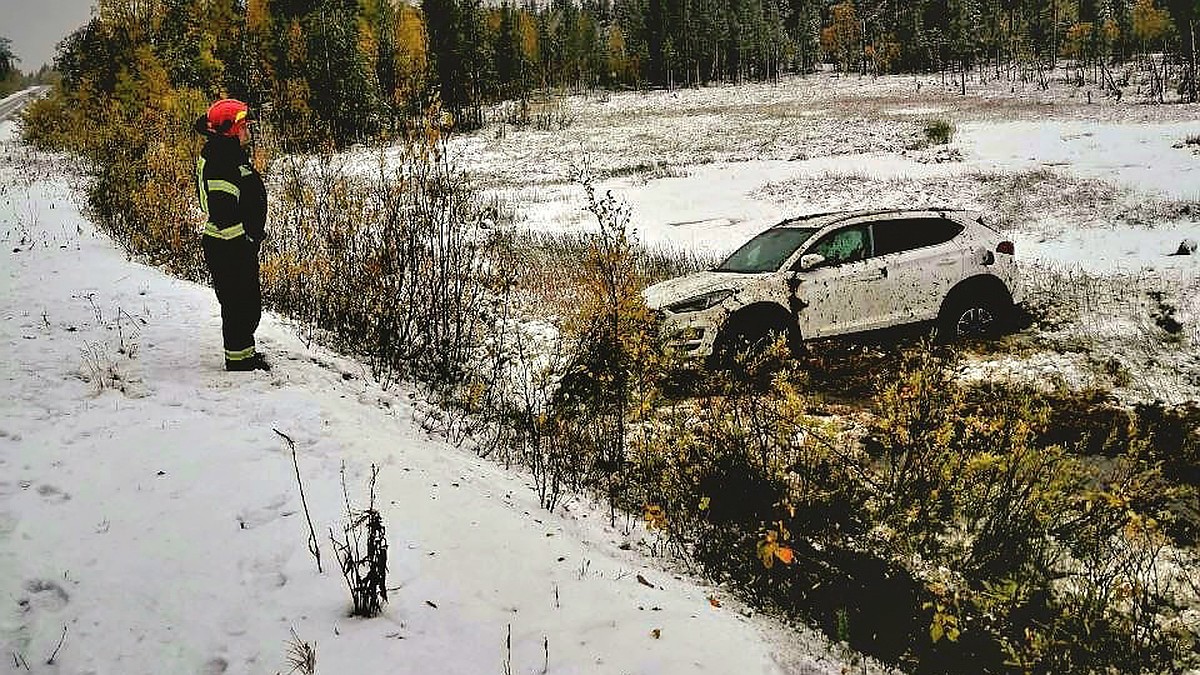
x,y
768,251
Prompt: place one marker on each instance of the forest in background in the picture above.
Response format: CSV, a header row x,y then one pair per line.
x,y
11,77
344,71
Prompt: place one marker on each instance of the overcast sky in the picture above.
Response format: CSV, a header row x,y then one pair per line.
x,y
34,27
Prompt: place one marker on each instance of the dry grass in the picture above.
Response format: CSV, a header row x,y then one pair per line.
x,y
549,267
301,656
1129,324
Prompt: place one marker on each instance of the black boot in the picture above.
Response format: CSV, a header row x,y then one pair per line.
x,y
256,362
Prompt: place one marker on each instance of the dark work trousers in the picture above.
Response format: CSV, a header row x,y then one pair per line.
x,y
233,264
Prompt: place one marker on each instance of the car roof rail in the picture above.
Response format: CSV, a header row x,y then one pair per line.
x,y
841,216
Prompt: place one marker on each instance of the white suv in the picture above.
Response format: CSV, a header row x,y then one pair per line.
x,y
837,273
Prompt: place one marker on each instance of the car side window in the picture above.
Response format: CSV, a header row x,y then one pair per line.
x,y
906,234
845,245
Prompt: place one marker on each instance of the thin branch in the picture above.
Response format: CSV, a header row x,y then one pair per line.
x,y
63,637
508,652
312,533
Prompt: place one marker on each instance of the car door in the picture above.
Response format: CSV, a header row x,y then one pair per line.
x,y
921,261
842,295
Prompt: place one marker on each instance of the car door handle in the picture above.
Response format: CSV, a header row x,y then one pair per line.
x,y
867,277
946,262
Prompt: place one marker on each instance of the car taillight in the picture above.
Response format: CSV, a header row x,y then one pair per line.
x,y
1006,247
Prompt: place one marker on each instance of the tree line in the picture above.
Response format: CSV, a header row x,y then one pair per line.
x,y
11,77
344,70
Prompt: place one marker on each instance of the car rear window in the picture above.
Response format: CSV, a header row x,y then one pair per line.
x,y
768,251
906,234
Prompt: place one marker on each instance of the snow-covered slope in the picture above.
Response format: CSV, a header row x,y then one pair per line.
x,y
150,514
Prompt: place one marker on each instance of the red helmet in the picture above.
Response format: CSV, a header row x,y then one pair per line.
x,y
227,117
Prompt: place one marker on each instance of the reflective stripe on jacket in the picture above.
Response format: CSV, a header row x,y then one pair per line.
x,y
230,191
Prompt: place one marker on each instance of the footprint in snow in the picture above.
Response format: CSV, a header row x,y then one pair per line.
x,y
43,595
264,573
248,519
8,525
53,494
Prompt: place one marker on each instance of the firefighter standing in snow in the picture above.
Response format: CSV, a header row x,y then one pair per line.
x,y
233,197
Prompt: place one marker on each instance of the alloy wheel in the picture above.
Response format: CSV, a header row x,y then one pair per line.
x,y
975,322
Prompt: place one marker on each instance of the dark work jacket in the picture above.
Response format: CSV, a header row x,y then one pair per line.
x,y
231,192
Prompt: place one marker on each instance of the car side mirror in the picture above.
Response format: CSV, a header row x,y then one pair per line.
x,y
810,261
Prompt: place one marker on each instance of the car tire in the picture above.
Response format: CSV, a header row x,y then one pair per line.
x,y
965,317
752,337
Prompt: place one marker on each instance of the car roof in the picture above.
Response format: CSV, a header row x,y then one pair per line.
x,y
822,220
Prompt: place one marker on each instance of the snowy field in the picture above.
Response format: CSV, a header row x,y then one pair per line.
x,y
150,520
1095,196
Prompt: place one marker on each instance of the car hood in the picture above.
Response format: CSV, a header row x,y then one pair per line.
x,y
681,288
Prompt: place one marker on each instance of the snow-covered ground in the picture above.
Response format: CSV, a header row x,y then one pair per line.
x,y
151,522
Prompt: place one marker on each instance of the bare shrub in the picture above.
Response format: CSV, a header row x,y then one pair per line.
x,y
513,113
552,114
559,400
615,357
647,170
106,362
548,112
390,266
99,369
362,553
301,656
939,131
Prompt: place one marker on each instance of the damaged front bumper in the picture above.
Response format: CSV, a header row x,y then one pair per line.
x,y
689,335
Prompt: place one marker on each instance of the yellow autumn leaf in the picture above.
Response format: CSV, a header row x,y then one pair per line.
x,y
656,517
766,552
